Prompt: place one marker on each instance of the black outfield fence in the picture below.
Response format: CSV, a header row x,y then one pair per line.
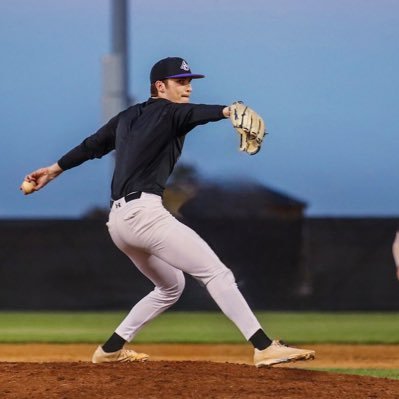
x,y
309,264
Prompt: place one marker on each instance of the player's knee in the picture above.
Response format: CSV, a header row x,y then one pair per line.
x,y
225,276
228,276
180,284
172,293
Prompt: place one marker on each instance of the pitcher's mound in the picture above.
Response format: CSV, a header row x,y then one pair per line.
x,y
182,379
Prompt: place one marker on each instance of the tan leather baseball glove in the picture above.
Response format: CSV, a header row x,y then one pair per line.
x,y
249,125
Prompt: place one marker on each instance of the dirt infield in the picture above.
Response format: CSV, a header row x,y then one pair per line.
x,y
191,371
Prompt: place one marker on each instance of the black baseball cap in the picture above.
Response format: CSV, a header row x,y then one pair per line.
x,y
172,67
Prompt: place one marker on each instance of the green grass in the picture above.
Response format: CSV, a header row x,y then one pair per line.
x,y
343,328
201,327
378,373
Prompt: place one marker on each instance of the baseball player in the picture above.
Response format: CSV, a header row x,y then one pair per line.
x,y
395,252
148,139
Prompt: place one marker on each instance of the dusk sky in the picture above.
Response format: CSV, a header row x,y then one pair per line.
x,y
324,74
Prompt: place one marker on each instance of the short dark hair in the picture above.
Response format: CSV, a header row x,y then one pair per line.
x,y
153,90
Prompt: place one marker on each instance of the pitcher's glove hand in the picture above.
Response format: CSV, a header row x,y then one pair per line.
x,y
249,125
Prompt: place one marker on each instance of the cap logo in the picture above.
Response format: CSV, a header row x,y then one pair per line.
x,y
184,66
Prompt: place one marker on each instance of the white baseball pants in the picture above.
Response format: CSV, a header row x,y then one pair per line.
x,y
162,248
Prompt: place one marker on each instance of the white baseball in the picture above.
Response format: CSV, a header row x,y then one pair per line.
x,y
28,187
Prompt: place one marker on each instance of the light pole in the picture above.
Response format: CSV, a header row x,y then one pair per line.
x,y
115,96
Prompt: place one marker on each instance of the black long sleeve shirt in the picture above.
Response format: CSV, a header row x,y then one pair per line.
x,y
148,139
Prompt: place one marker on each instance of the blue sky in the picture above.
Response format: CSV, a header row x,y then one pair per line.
x,y
322,73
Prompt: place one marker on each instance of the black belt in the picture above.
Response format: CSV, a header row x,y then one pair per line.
x,y
129,197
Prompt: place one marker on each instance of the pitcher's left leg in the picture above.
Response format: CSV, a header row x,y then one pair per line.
x,y
181,247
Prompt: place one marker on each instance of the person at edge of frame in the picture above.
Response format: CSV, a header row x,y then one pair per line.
x,y
395,252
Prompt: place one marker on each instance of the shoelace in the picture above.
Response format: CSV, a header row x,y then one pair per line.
x,y
128,352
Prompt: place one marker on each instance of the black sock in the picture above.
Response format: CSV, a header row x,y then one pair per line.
x,y
260,340
114,343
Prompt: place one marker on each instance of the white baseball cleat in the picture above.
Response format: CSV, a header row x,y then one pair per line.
x,y
277,352
123,355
